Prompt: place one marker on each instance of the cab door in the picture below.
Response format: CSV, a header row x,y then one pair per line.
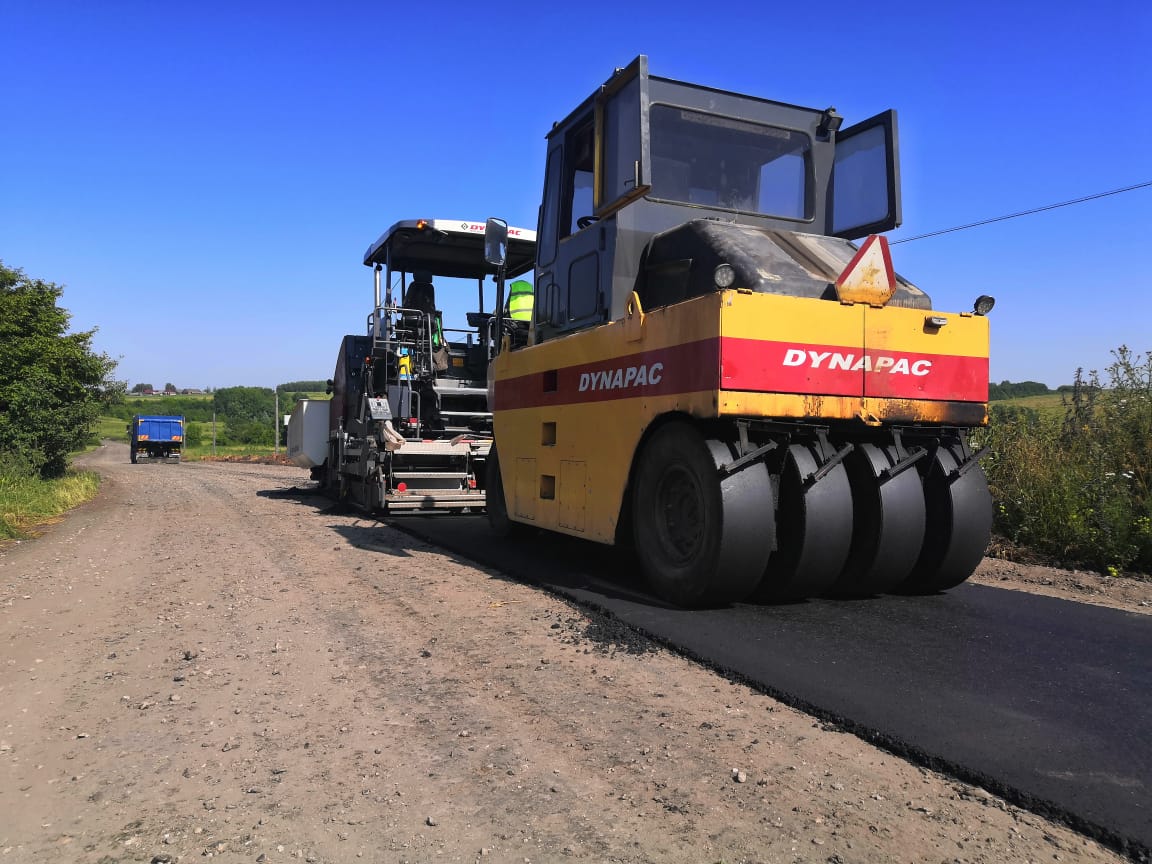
x,y
865,190
596,165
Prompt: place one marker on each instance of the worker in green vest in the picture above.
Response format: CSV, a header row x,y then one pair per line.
x,y
520,296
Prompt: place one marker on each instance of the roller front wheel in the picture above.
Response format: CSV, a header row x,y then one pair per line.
x,y
700,537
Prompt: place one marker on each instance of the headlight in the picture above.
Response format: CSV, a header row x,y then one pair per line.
x,y
984,304
724,276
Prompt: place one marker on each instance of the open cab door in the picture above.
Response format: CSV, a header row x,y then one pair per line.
x,y
622,173
865,189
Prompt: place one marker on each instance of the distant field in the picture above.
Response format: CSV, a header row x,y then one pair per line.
x,y
1046,404
111,427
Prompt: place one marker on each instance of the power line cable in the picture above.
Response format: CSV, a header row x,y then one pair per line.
x,y
1023,213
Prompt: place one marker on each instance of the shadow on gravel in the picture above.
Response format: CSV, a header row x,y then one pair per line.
x,y
300,493
554,561
557,564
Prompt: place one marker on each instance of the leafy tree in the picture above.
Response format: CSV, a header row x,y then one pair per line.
x,y
142,388
52,384
250,432
170,388
240,404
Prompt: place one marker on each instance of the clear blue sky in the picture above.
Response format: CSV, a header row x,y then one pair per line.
x,y
204,178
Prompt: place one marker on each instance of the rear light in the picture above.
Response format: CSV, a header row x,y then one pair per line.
x,y
401,487
471,482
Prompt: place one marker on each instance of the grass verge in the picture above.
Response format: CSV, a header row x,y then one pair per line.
x,y
235,453
28,502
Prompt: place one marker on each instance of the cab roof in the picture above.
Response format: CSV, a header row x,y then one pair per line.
x,y
448,247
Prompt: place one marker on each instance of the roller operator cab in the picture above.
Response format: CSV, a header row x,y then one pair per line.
x,y
408,427
717,375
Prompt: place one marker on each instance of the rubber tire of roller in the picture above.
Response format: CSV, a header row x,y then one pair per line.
x,y
495,504
959,524
888,521
813,529
700,538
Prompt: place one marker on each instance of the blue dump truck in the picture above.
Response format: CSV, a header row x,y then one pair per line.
x,y
156,438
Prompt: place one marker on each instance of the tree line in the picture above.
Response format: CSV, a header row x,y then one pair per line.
x,y
243,415
1020,389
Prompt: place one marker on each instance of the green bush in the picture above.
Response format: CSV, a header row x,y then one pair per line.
x,y
193,435
53,386
1078,488
250,432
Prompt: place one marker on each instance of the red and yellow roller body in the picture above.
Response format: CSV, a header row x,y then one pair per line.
x,y
570,413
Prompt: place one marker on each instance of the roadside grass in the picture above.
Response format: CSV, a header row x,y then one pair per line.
x,y
1073,481
28,501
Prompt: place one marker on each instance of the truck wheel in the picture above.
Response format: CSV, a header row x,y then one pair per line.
x,y
494,501
701,540
132,456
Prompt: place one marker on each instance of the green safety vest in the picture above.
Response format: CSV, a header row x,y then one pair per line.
x,y
520,296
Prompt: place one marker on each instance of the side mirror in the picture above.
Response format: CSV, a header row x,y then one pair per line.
x,y
496,242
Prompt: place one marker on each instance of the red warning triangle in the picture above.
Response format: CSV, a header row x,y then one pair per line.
x,y
869,277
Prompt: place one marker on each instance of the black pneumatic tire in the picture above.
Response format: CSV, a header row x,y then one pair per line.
x,y
701,541
494,502
959,522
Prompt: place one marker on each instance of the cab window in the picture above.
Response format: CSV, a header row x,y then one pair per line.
x,y
577,187
730,164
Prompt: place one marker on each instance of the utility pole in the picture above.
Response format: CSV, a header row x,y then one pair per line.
x,y
276,424
213,433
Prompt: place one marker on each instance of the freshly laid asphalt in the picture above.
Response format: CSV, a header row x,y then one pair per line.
x,y
1043,701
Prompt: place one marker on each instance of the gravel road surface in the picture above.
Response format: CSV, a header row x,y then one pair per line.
x,y
202,663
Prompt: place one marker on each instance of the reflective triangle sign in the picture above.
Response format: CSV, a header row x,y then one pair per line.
x,y
869,277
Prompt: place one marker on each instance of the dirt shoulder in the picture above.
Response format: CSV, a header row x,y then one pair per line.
x,y
1118,592
198,664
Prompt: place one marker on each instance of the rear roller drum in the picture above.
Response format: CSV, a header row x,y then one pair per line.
x,y
813,525
701,538
888,519
959,520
